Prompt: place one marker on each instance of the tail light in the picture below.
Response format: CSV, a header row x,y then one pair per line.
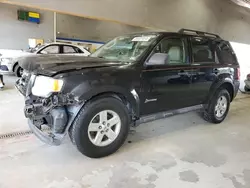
x,y
238,74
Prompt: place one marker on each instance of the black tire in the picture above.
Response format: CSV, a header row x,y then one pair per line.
x,y
209,114
246,89
18,71
70,132
79,129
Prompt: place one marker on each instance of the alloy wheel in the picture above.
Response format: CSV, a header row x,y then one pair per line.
x,y
221,106
104,128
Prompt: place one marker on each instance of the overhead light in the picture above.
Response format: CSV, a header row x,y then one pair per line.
x,y
243,3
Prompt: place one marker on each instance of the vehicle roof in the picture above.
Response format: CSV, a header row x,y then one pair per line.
x,y
67,44
165,33
61,44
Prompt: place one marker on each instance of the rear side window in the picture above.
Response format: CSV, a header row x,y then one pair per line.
x,y
202,50
225,53
68,50
78,50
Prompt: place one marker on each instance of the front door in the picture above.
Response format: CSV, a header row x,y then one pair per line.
x,y
167,86
50,49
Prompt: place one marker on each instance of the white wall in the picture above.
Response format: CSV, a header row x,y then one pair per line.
x,y
14,34
242,52
219,16
89,29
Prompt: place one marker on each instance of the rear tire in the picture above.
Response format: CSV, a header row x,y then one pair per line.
x,y
18,71
80,130
246,89
218,107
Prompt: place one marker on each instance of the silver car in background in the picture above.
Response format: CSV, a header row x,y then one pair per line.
x,y
247,83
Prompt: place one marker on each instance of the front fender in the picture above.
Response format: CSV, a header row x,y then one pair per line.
x,y
83,93
13,65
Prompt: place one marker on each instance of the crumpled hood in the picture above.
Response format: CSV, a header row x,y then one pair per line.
x,y
13,53
53,64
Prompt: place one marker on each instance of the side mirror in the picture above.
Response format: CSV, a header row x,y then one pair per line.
x,y
158,59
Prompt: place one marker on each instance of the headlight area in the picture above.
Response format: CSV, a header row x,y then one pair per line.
x,y
47,107
55,111
45,86
6,61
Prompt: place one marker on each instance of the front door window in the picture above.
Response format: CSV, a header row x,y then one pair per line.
x,y
174,48
53,49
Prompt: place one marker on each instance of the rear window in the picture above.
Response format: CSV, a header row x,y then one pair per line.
x,y
207,50
202,50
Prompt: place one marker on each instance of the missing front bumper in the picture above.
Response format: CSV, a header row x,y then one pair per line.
x,y
59,126
45,136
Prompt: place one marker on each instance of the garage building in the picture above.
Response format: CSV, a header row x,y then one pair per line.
x,y
178,148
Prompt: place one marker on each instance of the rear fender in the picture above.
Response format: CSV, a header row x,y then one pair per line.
x,y
228,82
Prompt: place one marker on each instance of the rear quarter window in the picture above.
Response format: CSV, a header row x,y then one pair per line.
x,y
225,53
68,50
78,50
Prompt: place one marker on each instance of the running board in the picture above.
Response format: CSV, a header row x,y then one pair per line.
x,y
162,115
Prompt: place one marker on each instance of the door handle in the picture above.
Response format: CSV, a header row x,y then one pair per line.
x,y
182,73
215,71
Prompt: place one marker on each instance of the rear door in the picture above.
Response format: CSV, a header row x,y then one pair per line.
x,y
168,86
204,66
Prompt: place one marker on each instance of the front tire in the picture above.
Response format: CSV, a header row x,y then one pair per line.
x,y
18,71
218,107
101,127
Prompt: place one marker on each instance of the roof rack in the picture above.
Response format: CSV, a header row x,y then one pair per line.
x,y
200,33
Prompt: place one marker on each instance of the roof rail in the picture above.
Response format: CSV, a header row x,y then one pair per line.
x,y
200,33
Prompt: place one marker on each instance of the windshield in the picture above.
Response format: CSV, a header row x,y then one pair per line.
x,y
126,48
36,48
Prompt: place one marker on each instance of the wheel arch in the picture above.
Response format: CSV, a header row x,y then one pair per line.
x,y
128,96
127,99
226,84
14,66
229,87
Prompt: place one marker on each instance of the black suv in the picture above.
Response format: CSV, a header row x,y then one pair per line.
x,y
130,80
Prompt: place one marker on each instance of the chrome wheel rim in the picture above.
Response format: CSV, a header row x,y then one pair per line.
x,y
104,128
221,106
21,72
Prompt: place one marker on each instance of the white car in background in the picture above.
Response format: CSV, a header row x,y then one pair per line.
x,y
10,58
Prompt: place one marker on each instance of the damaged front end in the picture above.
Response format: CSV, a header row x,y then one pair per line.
x,y
48,117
